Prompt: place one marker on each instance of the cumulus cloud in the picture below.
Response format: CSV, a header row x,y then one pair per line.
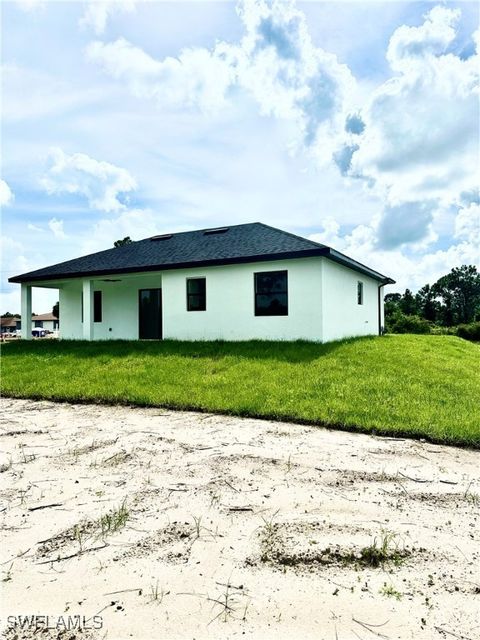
x,y
415,142
97,13
6,195
100,182
421,139
276,62
136,223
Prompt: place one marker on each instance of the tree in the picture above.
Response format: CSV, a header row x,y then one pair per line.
x,y
427,304
56,310
459,292
408,304
120,243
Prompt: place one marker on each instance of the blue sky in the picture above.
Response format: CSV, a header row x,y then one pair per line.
x,y
135,118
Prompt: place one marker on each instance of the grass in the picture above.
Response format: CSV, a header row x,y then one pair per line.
x,y
403,385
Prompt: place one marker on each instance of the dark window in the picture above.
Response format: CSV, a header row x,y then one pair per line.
x,y
39,324
359,292
97,306
271,293
196,294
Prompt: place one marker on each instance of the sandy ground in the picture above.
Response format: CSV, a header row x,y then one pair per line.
x,y
231,528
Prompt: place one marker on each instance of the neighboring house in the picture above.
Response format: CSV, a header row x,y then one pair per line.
x,y
10,324
232,283
45,321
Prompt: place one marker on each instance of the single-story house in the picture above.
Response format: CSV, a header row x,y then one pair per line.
x,y
9,324
236,282
45,321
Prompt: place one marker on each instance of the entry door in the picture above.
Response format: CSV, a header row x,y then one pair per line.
x,y
150,314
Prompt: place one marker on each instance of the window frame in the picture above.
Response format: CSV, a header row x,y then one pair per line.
x,y
360,292
191,295
256,294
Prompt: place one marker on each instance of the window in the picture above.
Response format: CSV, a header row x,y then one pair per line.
x,y
359,292
38,324
196,294
271,293
97,306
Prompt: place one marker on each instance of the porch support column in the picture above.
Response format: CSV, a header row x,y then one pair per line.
x,y
26,311
87,310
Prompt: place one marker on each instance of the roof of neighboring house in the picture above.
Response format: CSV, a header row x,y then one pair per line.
x,y
254,242
8,321
44,316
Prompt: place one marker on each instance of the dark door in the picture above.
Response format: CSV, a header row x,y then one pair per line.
x,y
150,314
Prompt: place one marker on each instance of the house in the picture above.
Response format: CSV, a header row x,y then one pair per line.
x,y
45,321
9,324
233,283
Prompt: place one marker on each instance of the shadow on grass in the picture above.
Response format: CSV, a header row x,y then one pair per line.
x,y
293,352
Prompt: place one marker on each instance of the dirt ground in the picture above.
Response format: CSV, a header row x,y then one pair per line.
x,y
180,525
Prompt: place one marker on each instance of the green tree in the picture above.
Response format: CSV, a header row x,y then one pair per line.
x,y
56,310
459,292
120,243
408,304
427,304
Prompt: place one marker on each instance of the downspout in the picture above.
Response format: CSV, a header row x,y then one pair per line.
x,y
380,308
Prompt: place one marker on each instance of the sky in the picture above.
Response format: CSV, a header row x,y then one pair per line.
x,y
355,124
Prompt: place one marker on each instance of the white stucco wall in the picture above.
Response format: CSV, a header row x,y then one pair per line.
x,y
342,316
322,304
119,307
230,313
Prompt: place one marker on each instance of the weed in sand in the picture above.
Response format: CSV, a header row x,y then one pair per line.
x,y
114,520
472,497
8,574
381,552
157,594
390,591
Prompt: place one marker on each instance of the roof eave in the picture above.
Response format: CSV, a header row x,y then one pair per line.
x,y
341,258
31,277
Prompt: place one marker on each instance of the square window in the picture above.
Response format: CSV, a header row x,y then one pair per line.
x,y
271,293
196,294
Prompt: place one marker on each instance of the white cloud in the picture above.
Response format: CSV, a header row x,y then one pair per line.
x,y
100,182
136,223
56,227
97,13
6,195
30,6
276,62
421,135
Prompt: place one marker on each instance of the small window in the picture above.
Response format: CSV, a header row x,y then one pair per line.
x,y
196,294
38,324
359,292
271,293
97,306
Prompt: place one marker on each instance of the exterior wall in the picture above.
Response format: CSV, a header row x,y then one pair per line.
x,y
343,317
322,304
119,307
230,313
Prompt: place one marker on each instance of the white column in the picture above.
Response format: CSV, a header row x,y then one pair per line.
x,y
26,311
87,310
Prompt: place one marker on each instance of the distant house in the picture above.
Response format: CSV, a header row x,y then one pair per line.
x,y
232,283
45,321
10,324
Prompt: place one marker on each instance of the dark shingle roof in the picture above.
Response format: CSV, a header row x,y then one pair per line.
x,y
252,242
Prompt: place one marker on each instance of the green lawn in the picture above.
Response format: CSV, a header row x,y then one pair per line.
x,y
421,386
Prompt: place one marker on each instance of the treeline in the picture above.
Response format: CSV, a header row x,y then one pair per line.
x,y
450,305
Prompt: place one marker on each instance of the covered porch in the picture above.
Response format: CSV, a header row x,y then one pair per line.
x,y
120,307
